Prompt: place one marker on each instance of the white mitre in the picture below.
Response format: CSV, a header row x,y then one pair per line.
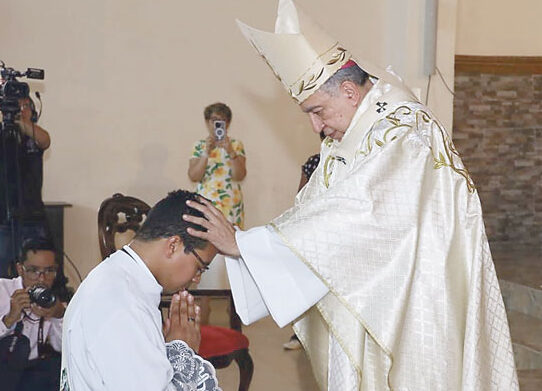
x,y
301,54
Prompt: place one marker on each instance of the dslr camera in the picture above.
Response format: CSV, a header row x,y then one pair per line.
x,y
42,296
220,130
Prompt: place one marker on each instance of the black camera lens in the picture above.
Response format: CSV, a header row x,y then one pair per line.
x,y
219,133
42,296
15,89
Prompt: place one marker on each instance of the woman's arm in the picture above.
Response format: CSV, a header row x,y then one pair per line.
x,y
196,168
197,164
238,162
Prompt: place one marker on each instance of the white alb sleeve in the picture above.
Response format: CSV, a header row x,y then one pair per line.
x,y
270,279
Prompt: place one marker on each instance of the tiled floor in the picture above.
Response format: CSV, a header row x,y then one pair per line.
x,y
520,275
530,379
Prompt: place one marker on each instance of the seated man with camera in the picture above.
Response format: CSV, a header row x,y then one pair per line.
x,y
31,315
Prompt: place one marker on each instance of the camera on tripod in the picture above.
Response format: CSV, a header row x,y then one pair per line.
x,y
12,90
14,163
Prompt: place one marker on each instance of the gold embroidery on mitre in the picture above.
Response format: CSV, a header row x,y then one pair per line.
x,y
333,60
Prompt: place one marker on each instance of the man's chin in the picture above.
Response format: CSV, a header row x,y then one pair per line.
x,y
336,135
175,290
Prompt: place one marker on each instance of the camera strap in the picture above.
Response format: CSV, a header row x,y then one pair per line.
x,y
18,333
40,337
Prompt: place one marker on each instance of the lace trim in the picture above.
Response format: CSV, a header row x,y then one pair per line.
x,y
190,371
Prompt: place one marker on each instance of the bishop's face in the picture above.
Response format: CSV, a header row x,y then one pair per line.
x,y
332,112
329,113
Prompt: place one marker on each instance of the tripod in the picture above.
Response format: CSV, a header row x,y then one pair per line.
x,y
10,238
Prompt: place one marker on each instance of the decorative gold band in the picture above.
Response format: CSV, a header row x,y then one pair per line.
x,y
322,69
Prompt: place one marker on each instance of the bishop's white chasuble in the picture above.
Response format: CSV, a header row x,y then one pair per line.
x,y
387,238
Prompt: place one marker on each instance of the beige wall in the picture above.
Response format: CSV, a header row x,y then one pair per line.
x,y
126,82
499,28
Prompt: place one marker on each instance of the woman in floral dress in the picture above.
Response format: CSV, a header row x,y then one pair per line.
x,y
218,165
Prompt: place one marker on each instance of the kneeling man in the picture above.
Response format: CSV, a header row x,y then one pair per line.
x,y
113,334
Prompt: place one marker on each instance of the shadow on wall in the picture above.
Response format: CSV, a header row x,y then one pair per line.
x,y
79,235
151,182
290,125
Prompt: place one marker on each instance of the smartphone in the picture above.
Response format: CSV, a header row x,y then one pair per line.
x,y
220,130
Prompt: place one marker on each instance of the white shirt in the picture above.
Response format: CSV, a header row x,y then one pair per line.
x,y
113,332
52,327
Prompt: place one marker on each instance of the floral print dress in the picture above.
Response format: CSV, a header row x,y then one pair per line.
x,y
217,184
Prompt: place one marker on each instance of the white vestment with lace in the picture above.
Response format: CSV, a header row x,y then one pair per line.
x,y
112,337
383,262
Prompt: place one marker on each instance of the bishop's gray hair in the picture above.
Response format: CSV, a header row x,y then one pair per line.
x,y
354,74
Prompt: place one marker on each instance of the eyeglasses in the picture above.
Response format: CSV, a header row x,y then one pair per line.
x,y
34,272
203,267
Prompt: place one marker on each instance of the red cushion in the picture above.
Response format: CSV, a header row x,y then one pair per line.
x,y
218,341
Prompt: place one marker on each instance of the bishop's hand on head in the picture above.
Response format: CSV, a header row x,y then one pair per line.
x,y
220,232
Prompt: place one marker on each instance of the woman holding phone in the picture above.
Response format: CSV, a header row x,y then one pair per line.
x,y
217,164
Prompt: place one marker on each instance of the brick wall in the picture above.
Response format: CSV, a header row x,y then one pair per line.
x,y
498,132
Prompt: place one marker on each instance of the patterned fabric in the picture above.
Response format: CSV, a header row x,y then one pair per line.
x,y
190,371
341,371
64,385
392,224
310,165
217,184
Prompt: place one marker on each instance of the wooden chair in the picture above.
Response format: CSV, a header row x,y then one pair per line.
x,y
118,215
219,345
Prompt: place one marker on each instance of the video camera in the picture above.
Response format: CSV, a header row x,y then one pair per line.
x,y
12,90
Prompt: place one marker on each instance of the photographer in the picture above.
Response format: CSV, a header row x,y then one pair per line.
x,y
218,164
35,134
24,177
40,316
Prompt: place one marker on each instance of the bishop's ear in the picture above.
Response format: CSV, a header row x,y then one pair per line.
x,y
351,92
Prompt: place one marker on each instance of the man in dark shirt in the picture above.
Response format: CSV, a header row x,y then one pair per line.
x,y
21,178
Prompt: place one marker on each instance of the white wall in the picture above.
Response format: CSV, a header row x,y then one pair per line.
x,y
126,83
499,28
